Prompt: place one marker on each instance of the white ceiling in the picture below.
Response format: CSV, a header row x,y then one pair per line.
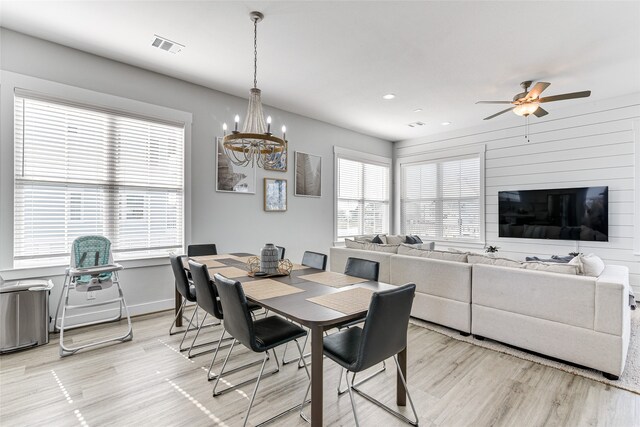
x,y
333,61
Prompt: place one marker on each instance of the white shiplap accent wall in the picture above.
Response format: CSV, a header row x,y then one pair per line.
x,y
588,144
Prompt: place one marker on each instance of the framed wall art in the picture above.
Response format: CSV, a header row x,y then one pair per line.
x,y
275,195
231,178
308,175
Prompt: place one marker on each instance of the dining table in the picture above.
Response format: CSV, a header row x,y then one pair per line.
x,y
306,298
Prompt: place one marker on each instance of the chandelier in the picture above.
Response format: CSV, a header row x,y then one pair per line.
x,y
255,145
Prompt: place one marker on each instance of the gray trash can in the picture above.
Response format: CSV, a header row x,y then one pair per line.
x,y
24,314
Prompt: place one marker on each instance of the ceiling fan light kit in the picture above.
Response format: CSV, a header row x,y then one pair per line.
x,y
528,102
255,144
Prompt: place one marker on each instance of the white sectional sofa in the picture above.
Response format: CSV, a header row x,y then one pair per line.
x,y
579,319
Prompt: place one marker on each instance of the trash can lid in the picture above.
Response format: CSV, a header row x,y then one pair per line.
x,y
26,285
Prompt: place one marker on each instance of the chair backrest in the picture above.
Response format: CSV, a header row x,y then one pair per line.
x,y
314,260
91,251
205,289
200,250
385,330
362,268
281,251
237,319
182,283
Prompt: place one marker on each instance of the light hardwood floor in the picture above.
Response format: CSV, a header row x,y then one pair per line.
x,y
148,382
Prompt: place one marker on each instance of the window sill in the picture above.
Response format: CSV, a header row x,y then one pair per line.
x,y
58,270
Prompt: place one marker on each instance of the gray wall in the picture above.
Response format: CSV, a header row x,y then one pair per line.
x,y
586,143
236,222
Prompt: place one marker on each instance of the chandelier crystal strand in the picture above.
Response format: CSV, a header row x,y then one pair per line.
x,y
254,145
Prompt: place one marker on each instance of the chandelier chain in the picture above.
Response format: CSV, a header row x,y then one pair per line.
x,y
255,52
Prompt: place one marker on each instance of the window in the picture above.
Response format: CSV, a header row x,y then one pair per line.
x,y
362,197
441,200
82,170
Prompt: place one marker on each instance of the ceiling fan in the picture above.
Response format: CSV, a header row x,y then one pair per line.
x,y
528,102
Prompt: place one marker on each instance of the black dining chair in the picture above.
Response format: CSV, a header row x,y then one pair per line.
x,y
187,292
202,249
281,251
259,336
209,301
362,268
384,335
314,260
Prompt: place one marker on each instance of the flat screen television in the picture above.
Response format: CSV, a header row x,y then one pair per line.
x,y
559,213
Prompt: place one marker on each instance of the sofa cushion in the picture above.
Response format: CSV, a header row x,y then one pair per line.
x,y
551,267
541,266
405,249
483,259
352,244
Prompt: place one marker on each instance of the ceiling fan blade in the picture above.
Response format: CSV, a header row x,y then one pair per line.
x,y
497,114
537,89
572,95
494,102
540,112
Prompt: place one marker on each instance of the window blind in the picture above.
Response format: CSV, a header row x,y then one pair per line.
x,y
441,200
82,170
362,205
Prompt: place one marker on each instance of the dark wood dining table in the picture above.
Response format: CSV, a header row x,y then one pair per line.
x,y
317,318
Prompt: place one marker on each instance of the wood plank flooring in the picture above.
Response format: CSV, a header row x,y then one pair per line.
x,y
148,382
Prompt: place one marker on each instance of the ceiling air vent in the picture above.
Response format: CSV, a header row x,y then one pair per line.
x,y
166,44
416,124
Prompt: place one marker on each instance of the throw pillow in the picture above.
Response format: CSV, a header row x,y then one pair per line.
x,y
409,240
352,244
395,239
417,239
377,239
589,265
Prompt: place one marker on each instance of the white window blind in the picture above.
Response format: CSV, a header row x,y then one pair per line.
x,y
441,200
362,205
82,170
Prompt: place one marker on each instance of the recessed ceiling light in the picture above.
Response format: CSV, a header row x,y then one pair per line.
x,y
389,96
445,123
416,124
417,110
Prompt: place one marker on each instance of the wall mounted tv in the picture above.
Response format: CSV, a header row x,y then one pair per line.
x,y
561,214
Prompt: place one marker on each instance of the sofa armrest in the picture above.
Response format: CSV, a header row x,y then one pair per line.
x,y
612,300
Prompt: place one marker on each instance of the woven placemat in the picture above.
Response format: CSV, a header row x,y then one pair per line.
x,y
351,301
267,288
203,258
210,263
243,258
299,267
335,280
229,272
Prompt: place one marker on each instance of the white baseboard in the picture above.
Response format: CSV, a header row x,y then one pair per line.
x,y
101,313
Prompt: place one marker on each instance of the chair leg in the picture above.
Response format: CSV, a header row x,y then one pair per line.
x,y
187,330
385,407
363,380
197,333
171,331
353,403
255,390
239,368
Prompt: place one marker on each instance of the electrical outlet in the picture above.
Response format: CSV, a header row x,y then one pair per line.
x,y
91,295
